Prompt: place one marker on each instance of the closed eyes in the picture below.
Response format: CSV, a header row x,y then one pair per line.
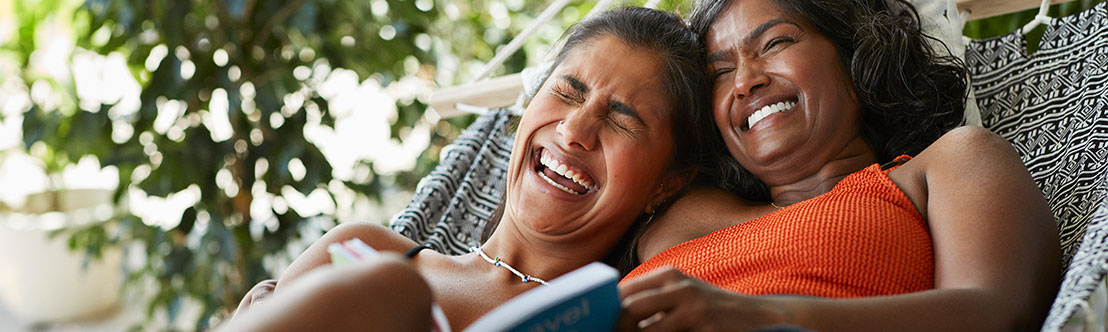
x,y
623,123
567,94
775,42
620,117
716,73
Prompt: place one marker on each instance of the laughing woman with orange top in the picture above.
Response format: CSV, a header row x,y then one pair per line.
x,y
822,102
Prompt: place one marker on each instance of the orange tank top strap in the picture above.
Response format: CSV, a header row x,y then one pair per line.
x,y
896,162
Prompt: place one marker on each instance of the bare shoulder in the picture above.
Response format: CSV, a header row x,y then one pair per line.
x,y
377,236
696,213
972,173
963,157
970,144
961,152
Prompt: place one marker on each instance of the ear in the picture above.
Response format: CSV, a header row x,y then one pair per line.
x,y
672,183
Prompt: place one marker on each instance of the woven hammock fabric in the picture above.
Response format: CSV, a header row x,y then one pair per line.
x,y
453,204
1053,107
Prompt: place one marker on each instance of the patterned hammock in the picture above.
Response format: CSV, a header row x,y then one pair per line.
x,y
1052,106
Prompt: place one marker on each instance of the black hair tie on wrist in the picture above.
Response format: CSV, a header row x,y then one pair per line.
x,y
415,250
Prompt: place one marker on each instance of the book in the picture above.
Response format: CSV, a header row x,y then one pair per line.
x,y
585,299
348,252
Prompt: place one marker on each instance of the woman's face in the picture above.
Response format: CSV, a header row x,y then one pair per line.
x,y
781,96
592,146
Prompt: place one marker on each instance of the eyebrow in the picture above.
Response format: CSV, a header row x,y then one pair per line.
x,y
615,106
576,84
622,108
750,37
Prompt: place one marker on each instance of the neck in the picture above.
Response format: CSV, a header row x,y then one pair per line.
x,y
854,157
539,258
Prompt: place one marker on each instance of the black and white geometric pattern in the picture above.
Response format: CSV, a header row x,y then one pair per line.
x,y
452,205
1053,107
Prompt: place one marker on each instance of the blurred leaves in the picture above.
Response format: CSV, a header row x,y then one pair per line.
x,y
231,87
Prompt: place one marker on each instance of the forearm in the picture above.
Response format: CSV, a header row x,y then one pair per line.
x,y
691,304
934,310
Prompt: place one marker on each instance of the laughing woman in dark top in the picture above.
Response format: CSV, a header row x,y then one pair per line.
x,y
616,129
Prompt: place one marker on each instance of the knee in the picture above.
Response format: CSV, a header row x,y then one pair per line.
x,y
385,293
392,289
392,276
368,232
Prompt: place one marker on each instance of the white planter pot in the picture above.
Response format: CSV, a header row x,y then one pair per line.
x,y
41,280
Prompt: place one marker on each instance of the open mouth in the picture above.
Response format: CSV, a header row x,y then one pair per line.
x,y
768,110
562,176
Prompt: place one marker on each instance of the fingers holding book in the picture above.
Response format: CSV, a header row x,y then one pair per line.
x,y
668,300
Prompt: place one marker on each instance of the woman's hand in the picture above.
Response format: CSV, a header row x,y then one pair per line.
x,y
668,300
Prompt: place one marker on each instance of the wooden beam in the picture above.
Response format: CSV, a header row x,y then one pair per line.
x,y
988,8
494,92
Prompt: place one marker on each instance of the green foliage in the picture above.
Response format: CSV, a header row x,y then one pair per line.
x,y
1005,24
251,50
261,61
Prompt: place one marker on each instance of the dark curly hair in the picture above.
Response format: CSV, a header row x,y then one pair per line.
x,y
910,95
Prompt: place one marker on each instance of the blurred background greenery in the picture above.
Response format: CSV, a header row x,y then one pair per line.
x,y
233,132
1005,24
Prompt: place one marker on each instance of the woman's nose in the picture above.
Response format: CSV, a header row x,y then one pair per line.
x,y
578,129
749,77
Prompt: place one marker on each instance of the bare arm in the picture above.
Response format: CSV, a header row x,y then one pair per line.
x,y
993,233
697,213
996,258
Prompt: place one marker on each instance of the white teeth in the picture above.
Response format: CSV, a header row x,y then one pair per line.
x,y
555,184
564,171
767,110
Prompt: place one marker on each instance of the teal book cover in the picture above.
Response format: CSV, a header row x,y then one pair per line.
x,y
583,300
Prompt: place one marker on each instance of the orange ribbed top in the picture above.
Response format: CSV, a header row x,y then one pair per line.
x,y
862,238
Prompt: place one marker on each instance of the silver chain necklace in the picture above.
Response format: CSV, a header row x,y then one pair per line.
x,y
498,262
